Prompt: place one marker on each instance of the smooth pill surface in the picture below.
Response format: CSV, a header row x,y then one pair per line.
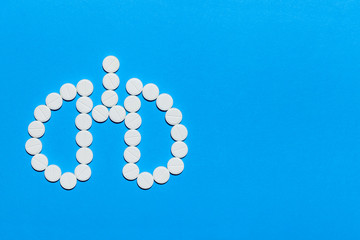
x,y
161,175
130,171
68,180
42,113
54,101
133,121
117,114
111,64
134,86
36,129
68,91
164,102
33,146
39,162
132,154
179,132
85,88
83,172
100,113
84,155
83,121
132,138
84,138
150,92
111,81
173,116
175,166
145,180
84,104
179,149
132,104
109,98
52,173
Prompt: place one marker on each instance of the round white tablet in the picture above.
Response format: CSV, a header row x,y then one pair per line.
x,y
111,64
85,88
150,92
42,113
130,171
132,104
83,121
109,98
145,180
54,101
84,155
133,121
173,116
132,138
83,172
175,166
161,175
100,113
111,81
179,132
33,146
179,149
84,105
36,129
39,162
164,102
117,114
52,173
84,138
134,86
68,91
68,180
132,154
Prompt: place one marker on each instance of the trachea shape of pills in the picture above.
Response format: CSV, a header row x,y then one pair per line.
x,y
100,113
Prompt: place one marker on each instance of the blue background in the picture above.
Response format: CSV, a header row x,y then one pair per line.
x,y
269,91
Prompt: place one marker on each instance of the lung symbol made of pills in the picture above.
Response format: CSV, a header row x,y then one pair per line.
x,y
116,113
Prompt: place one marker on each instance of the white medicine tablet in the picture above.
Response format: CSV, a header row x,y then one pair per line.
x,y
134,86
132,154
173,116
130,171
42,113
84,105
83,121
179,149
150,92
54,101
36,129
175,166
133,121
145,180
52,173
33,146
39,162
132,138
111,81
83,172
132,104
85,88
84,155
111,64
100,113
68,91
164,102
117,114
109,98
161,175
68,180
84,138
179,132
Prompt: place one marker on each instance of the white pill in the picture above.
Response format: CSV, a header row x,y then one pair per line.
x,y
85,88
132,138
133,121
83,121
179,149
164,102
54,101
42,113
39,162
132,154
179,132
111,64
175,166
145,180
36,129
132,104
161,175
134,86
33,146
68,91
83,172
150,92
100,113
84,138
111,81
52,173
130,171
68,180
173,116
84,105
84,155
109,98
117,114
